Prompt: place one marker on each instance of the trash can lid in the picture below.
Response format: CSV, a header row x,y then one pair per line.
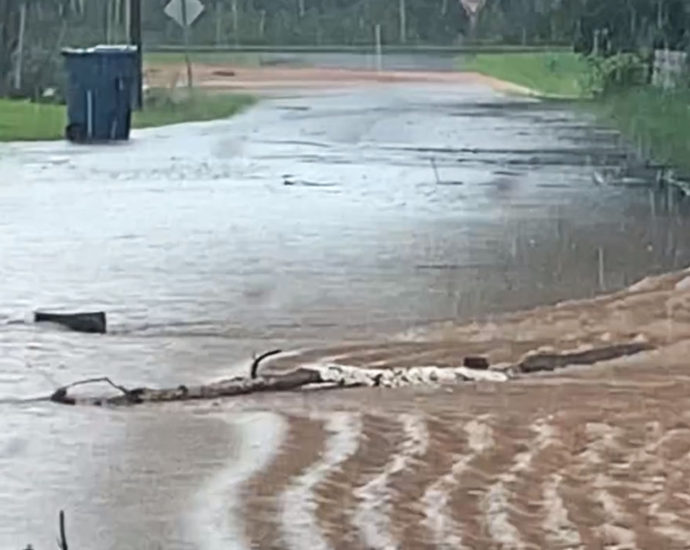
x,y
101,49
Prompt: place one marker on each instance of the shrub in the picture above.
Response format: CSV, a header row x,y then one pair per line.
x,y
614,73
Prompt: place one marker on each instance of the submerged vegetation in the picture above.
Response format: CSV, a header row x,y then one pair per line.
x,y
654,120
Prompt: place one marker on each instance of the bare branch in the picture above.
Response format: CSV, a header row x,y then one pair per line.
x,y
61,394
257,360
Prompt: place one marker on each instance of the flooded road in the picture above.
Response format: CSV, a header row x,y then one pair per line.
x,y
311,219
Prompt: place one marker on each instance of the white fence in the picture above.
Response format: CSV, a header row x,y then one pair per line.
x,y
670,69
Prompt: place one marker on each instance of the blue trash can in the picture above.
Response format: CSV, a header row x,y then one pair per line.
x,y
101,91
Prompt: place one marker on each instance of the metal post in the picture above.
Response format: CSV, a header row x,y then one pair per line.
x,y
135,39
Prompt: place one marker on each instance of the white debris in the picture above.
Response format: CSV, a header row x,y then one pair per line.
x,y
399,377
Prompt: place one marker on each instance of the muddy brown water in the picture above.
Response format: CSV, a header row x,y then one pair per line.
x,y
191,241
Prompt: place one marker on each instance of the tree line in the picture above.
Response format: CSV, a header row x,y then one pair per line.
x,y
619,24
600,26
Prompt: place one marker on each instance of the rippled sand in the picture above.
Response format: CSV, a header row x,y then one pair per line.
x,y
586,458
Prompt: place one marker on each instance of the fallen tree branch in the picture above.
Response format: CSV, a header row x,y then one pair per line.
x,y
226,388
331,376
328,376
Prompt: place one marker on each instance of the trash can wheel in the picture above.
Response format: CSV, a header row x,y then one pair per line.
x,y
75,132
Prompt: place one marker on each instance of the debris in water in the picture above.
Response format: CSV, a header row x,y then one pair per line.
x,y
439,181
476,362
335,376
602,273
257,361
305,183
92,322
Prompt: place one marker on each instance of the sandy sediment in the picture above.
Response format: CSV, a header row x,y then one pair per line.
x,y
583,458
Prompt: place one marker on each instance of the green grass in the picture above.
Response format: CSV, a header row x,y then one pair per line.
x,y
25,121
197,107
554,73
656,122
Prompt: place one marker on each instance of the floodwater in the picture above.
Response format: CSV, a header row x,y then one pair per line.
x,y
311,219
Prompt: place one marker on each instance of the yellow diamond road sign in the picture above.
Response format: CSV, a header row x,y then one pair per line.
x,y
175,11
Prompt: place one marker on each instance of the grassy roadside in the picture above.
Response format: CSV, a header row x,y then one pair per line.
x,y
162,109
25,121
656,122
547,73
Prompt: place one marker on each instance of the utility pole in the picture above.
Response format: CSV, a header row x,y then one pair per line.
x,y
135,40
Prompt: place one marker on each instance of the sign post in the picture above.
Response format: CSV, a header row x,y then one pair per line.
x,y
472,7
184,13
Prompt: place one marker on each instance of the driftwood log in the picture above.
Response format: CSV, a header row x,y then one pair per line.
x,y
540,362
91,322
343,376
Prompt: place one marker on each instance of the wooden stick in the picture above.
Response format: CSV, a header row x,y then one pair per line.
x,y
433,165
255,364
62,543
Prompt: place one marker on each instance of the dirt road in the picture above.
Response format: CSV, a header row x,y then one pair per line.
x,y
318,220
